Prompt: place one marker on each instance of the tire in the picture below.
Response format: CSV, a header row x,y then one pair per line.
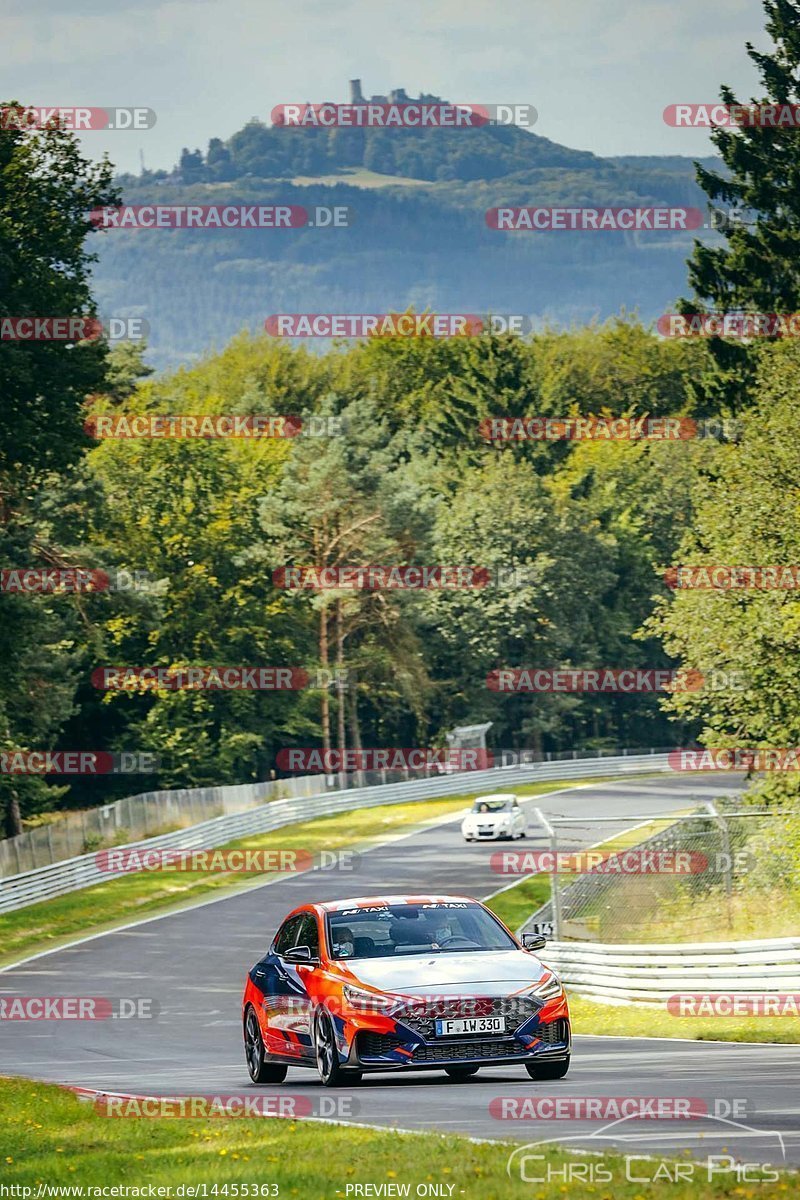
x,y
260,1068
548,1070
331,1074
459,1073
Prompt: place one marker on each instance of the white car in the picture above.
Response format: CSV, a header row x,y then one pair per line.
x,y
494,817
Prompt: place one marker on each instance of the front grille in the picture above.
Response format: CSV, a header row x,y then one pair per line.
x,y
422,1015
448,1051
378,1045
552,1033
375,1045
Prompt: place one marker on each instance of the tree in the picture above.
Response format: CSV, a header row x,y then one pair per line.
x,y
218,161
330,509
746,515
191,166
46,192
758,269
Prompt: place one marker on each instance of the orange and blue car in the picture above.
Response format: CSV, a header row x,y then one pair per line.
x,y
402,983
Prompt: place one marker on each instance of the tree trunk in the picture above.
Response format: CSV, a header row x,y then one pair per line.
x,y
324,663
355,728
340,691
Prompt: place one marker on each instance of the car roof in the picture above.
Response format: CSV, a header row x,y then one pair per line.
x,y
368,901
496,796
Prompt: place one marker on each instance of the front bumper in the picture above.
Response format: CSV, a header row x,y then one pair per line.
x,y
405,1048
490,833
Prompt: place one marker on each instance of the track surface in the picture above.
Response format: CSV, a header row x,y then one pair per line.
x,y
193,964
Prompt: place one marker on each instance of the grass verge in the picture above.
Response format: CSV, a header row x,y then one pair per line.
x,y
515,904
125,898
50,1137
639,1020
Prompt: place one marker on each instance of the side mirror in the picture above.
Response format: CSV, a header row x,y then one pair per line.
x,y
534,941
299,954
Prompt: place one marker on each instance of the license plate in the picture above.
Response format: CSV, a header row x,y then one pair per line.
x,y
464,1025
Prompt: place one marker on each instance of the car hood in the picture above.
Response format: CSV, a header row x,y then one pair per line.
x,y
487,818
481,973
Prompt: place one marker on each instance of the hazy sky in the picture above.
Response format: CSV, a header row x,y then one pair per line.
x,y
600,72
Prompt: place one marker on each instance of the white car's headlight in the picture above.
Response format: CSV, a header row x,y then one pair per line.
x,y
364,1001
549,989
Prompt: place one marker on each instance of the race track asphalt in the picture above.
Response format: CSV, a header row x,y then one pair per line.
x,y
193,964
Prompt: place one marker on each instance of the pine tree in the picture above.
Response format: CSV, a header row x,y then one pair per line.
x,y
758,268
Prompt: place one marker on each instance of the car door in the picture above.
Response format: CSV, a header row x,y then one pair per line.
x,y
519,823
307,974
280,991
287,1005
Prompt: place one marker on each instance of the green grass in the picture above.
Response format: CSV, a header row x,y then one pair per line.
x,y
125,898
516,904
639,1020
48,1136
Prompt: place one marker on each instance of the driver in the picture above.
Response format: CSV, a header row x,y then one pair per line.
x,y
344,946
441,933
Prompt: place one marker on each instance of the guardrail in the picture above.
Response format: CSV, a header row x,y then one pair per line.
x,y
651,973
140,816
29,887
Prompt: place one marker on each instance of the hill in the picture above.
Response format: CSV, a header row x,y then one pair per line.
x,y
419,237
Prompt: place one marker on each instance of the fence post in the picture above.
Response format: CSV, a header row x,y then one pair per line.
x,y
555,893
727,868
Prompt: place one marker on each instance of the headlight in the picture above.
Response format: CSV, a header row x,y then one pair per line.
x,y
549,989
368,1002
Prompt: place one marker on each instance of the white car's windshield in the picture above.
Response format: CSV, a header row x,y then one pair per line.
x,y
491,806
435,928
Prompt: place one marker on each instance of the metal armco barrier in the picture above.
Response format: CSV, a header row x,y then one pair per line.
x,y
653,972
17,891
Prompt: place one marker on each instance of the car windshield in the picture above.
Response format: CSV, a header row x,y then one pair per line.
x,y
380,931
491,806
